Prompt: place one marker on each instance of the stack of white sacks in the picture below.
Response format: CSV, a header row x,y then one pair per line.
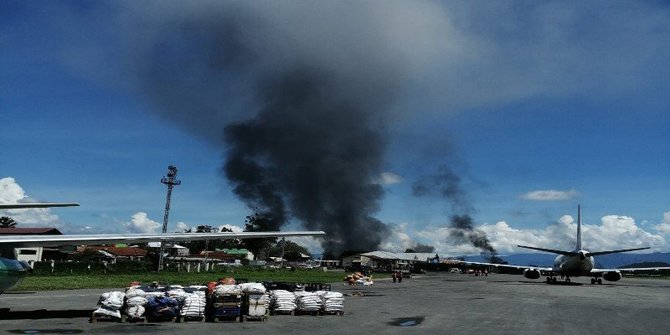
x,y
332,301
308,301
259,299
110,304
135,301
193,305
282,301
222,290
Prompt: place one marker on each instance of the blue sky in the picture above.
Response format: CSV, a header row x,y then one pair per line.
x,y
563,100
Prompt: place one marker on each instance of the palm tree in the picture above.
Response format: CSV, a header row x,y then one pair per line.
x,y
7,222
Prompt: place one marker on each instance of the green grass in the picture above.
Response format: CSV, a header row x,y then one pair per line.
x,y
41,283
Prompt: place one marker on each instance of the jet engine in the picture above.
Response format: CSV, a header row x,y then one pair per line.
x,y
612,275
531,273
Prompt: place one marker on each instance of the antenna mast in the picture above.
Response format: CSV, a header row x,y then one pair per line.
x,y
170,181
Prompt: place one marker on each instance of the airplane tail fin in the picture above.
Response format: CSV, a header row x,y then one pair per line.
x,y
597,253
579,228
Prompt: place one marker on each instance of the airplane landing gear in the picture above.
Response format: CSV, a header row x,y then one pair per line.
x,y
596,280
552,280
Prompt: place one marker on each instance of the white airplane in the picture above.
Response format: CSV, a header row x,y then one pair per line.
x,y
573,263
13,271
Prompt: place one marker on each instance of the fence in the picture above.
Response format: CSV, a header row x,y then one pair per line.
x,y
64,268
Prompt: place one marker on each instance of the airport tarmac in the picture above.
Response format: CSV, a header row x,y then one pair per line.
x,y
430,304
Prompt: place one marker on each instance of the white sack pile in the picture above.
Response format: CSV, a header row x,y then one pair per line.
x,y
135,302
255,288
308,301
193,304
110,304
332,301
282,301
177,293
222,290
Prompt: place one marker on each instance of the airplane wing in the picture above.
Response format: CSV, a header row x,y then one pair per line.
x,y
24,205
597,253
509,266
553,251
21,241
652,270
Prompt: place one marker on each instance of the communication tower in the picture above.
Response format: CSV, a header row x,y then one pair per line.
x,y
170,181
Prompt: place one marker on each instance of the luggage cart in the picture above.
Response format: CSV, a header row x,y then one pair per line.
x,y
223,308
255,306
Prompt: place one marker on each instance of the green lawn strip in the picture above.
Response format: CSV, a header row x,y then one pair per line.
x,y
40,283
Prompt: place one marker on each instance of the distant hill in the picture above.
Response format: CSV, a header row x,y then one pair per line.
x,y
646,265
605,261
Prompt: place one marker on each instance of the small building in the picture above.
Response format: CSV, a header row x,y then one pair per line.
x,y
114,254
385,261
239,253
330,263
33,254
174,250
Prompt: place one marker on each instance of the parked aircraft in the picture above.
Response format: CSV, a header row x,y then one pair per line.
x,y
574,263
13,271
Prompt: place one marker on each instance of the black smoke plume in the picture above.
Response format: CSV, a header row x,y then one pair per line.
x,y
315,153
299,93
446,183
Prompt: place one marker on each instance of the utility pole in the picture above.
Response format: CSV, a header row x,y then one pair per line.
x,y
283,240
170,181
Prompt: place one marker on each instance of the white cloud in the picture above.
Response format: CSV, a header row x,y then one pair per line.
x,y
665,225
614,232
140,223
550,195
398,240
12,192
234,228
389,178
181,226
312,244
617,232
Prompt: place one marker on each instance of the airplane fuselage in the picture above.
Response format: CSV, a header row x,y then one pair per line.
x,y
11,273
574,265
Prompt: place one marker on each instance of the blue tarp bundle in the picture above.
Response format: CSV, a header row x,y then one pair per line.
x,y
162,308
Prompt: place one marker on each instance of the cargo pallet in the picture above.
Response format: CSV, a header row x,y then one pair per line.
x,y
104,318
224,308
159,319
262,318
239,318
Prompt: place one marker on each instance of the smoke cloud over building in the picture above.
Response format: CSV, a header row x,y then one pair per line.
x,y
446,183
299,96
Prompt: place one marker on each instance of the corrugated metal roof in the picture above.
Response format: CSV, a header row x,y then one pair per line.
x,y
381,255
128,251
406,256
171,245
30,231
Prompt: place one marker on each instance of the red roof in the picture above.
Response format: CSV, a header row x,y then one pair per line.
x,y
30,231
217,255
